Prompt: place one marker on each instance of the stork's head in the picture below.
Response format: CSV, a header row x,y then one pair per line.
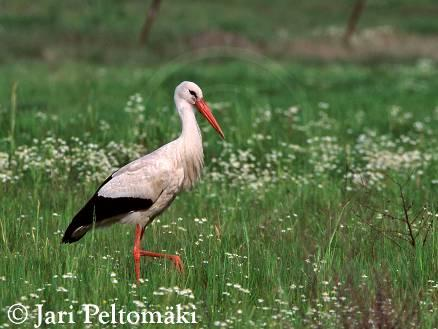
x,y
191,93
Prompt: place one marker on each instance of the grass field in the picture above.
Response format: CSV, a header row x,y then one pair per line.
x,y
319,209
290,226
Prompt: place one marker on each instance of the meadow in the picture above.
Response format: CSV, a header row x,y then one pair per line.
x,y
318,210
298,220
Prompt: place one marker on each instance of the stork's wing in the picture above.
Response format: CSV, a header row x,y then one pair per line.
x,y
134,187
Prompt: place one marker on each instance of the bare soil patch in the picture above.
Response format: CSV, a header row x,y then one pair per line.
x,y
367,44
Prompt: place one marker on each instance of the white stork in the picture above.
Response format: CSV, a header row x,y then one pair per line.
x,y
143,189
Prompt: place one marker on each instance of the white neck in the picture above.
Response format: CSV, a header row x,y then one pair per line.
x,y
191,152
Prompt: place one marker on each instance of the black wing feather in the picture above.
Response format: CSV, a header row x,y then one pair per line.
x,y
99,209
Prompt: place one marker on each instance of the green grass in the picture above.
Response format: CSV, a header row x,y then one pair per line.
x,y
297,236
291,238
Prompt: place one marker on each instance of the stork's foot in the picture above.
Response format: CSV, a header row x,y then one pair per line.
x,y
176,260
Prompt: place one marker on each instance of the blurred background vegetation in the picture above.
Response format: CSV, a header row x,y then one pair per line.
x,y
108,31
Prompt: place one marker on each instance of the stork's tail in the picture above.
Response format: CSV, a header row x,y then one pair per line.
x,y
81,224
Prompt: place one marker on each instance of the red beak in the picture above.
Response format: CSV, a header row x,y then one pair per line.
x,y
202,106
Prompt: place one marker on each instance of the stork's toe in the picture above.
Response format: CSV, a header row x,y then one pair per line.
x,y
176,260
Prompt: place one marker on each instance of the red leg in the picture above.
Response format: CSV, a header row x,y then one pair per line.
x,y
136,251
176,260
139,231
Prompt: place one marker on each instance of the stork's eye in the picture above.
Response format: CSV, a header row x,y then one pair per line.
x,y
193,93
